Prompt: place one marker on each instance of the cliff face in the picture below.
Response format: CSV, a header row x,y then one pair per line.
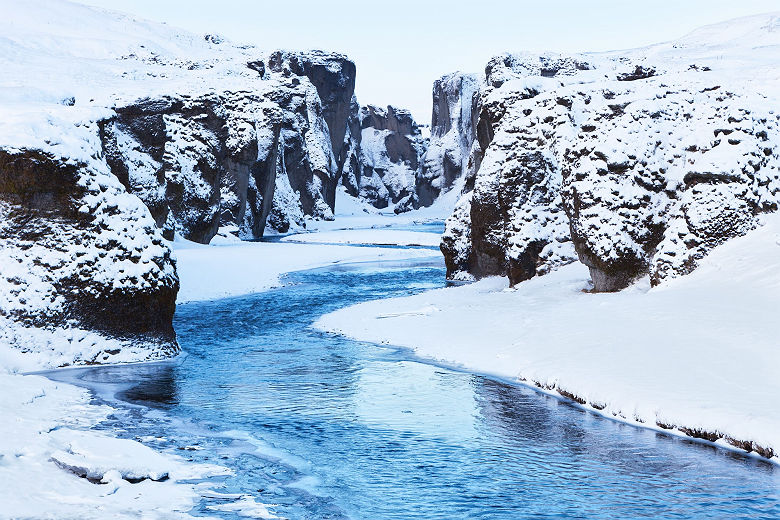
x,y
633,166
452,135
162,134
80,256
239,159
388,158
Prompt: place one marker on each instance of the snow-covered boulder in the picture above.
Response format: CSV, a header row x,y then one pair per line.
x,y
634,163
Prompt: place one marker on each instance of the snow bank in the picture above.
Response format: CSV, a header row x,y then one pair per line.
x,y
696,356
211,272
378,237
52,467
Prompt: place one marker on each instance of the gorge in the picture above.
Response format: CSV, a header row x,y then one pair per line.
x,y
172,202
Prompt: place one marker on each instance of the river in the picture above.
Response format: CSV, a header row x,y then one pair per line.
x,y
322,427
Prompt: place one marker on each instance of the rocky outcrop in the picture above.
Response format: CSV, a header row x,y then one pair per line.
x,y
333,75
666,198
79,253
384,161
162,134
632,169
240,160
452,135
198,163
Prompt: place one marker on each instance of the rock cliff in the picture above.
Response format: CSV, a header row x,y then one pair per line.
x,y
163,134
86,276
634,164
160,134
385,159
239,159
453,133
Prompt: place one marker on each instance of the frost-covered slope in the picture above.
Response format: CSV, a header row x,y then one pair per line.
x,y
634,162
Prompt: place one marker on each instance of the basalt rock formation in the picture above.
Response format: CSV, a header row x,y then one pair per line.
x,y
162,134
633,168
453,133
385,159
238,159
79,253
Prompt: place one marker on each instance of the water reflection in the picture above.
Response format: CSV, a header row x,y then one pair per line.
x,y
156,386
414,397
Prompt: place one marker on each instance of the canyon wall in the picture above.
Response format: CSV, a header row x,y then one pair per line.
x,y
633,167
386,158
162,134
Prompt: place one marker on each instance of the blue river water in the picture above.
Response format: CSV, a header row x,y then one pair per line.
x,y
323,427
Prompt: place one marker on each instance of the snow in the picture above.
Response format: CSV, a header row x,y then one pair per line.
x,y
211,272
46,446
698,353
589,156
354,213
379,237
245,506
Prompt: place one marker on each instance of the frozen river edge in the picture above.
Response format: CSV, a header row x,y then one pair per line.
x,y
695,357
51,458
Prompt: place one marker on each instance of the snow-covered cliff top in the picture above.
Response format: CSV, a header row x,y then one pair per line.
x,y
744,50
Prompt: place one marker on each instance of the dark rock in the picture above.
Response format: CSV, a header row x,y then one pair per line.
x,y
181,157
452,135
350,164
390,158
631,180
333,75
639,72
257,66
75,232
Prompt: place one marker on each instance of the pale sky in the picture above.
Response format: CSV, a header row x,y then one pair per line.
x,y
401,46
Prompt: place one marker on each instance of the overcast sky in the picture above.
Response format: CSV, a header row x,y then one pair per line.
x,y
401,46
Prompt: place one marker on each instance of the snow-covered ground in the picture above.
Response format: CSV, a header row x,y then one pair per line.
x,y
52,467
377,237
353,213
697,354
